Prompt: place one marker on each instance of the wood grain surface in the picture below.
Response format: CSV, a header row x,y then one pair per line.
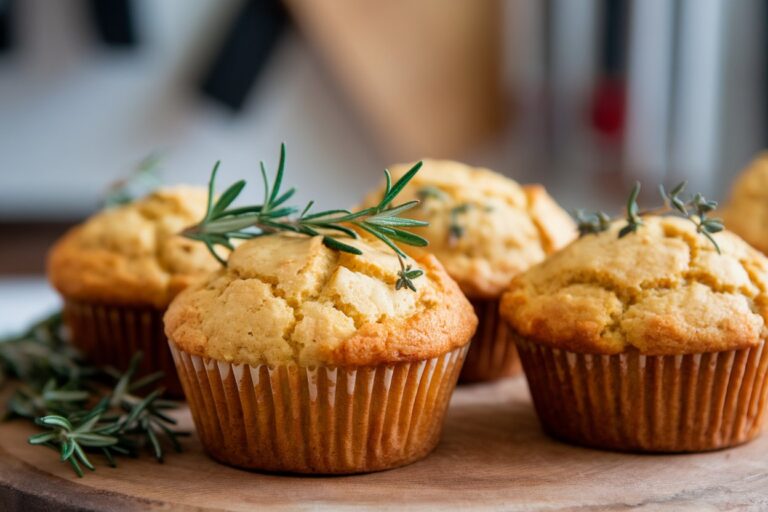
x,y
493,457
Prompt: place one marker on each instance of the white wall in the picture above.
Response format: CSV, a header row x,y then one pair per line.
x,y
74,117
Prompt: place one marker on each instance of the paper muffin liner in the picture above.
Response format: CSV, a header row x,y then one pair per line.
x,y
320,420
632,402
492,354
111,335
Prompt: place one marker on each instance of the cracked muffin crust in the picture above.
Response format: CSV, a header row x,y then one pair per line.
x,y
746,213
505,227
287,299
663,290
131,254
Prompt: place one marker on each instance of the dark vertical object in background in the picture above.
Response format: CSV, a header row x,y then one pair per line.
x,y
114,22
613,38
674,82
247,46
547,101
6,33
609,101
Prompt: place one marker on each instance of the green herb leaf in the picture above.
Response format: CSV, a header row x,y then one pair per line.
x,y
222,223
63,397
695,209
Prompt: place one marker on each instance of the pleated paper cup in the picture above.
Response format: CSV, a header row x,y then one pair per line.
x,y
492,354
111,335
632,402
321,420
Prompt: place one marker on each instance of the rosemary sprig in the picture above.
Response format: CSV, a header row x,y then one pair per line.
x,y
222,224
406,275
65,397
40,354
695,208
144,179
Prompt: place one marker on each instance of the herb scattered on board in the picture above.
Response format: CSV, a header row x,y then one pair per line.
x,y
695,208
69,401
142,181
223,223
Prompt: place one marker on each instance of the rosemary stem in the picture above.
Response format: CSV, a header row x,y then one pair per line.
x,y
221,223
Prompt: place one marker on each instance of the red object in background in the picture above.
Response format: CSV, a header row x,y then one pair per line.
x,y
608,110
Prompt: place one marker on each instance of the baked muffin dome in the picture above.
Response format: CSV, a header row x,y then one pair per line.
x,y
746,213
662,290
132,254
287,298
505,227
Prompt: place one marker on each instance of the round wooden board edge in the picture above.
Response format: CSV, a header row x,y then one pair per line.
x,y
21,490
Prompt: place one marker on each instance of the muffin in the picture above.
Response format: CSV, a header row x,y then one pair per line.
x,y
746,213
485,229
118,271
653,342
298,358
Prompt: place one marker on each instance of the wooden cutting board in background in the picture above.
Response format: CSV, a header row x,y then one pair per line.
x,y
425,75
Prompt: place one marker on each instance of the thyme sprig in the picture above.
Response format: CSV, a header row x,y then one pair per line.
x,y
696,208
590,223
67,398
222,223
634,220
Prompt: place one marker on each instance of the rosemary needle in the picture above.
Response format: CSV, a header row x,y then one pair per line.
x,y
67,399
223,223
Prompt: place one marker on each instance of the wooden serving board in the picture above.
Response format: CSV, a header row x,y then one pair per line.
x,y
493,457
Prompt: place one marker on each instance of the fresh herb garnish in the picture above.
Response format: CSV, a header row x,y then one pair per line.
x,y
695,208
633,213
67,398
592,222
431,192
455,228
223,224
142,181
406,275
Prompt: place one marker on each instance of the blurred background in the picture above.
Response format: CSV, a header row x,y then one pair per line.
x,y
584,96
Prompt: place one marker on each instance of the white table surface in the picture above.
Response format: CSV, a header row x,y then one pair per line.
x,y
23,300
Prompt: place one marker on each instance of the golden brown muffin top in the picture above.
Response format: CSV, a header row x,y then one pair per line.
x,y
746,213
131,254
661,290
505,227
287,298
